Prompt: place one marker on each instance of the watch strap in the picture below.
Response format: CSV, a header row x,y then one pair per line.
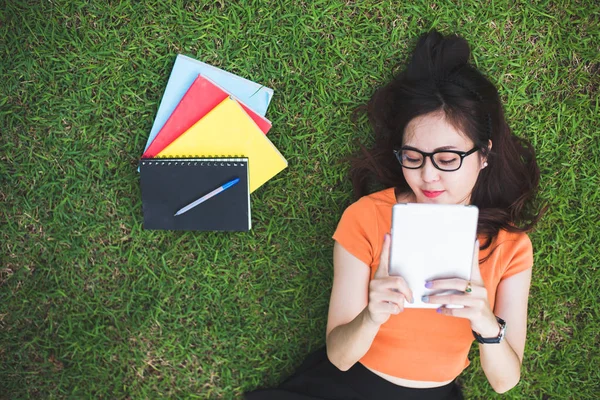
x,y
492,340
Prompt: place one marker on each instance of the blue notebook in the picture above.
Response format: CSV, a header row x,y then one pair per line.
x,y
186,70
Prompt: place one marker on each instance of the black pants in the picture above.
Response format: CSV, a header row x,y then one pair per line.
x,y
318,378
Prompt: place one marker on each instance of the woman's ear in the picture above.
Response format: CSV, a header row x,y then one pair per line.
x,y
485,156
486,150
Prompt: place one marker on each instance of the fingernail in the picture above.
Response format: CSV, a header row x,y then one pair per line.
x,y
425,299
412,300
439,310
428,284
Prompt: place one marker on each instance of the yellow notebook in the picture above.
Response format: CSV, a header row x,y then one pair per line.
x,y
228,131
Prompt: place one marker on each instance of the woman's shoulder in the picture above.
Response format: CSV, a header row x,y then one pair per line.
x,y
368,208
509,252
385,197
515,247
508,237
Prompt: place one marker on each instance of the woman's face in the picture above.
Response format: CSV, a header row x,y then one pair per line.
x,y
429,133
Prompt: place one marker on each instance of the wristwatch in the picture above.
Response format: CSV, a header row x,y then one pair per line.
x,y
496,339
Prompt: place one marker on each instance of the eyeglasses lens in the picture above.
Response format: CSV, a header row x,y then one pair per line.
x,y
411,159
446,161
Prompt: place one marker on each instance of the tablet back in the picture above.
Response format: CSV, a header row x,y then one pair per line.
x,y
432,241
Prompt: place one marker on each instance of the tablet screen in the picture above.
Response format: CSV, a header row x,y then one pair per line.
x,y
432,241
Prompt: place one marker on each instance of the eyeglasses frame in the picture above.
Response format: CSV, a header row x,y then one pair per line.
x,y
461,154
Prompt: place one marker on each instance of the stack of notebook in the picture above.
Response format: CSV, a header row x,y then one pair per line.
x,y
210,129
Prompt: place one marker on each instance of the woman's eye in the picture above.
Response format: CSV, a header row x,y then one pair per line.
x,y
447,162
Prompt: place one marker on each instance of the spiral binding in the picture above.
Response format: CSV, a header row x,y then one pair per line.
x,y
202,162
197,157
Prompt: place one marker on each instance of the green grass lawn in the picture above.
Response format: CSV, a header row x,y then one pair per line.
x,y
93,306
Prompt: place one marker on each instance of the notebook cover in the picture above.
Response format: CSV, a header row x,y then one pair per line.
x,y
167,185
202,96
228,130
184,72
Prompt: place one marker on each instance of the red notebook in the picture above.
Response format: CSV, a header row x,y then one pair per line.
x,y
202,96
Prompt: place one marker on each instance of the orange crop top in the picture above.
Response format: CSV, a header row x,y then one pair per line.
x,y
420,344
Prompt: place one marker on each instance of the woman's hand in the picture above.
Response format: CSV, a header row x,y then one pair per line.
x,y
476,305
386,293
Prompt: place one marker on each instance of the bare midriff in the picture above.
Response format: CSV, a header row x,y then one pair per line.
x,y
407,382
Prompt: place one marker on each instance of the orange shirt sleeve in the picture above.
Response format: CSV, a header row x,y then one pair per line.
x,y
357,229
518,256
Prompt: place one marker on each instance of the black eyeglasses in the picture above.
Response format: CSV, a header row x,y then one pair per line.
x,y
444,160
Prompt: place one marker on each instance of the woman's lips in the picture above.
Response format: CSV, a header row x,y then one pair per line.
x,y
432,194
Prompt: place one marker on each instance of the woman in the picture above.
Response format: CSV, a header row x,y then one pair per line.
x,y
441,137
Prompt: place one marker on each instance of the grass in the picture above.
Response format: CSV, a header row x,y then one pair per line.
x,y
93,306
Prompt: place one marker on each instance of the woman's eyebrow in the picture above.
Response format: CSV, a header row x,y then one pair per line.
x,y
438,149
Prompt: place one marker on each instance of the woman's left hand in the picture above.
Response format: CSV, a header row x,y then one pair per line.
x,y
476,305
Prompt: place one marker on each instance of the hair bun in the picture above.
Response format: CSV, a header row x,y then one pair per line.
x,y
437,56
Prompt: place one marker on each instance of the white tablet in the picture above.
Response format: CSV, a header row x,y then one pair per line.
x,y
432,241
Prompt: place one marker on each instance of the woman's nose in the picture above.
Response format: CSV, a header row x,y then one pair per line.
x,y
429,173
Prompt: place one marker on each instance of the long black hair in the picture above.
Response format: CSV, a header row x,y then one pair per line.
x,y
438,78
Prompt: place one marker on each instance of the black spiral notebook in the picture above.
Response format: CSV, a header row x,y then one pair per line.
x,y
169,184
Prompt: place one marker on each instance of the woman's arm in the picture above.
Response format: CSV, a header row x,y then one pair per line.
x,y
349,329
359,306
502,362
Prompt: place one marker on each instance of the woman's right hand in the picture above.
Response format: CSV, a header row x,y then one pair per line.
x,y
386,293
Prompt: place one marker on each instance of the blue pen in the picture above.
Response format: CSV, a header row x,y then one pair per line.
x,y
208,196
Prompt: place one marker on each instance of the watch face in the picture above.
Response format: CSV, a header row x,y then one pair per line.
x,y
502,329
